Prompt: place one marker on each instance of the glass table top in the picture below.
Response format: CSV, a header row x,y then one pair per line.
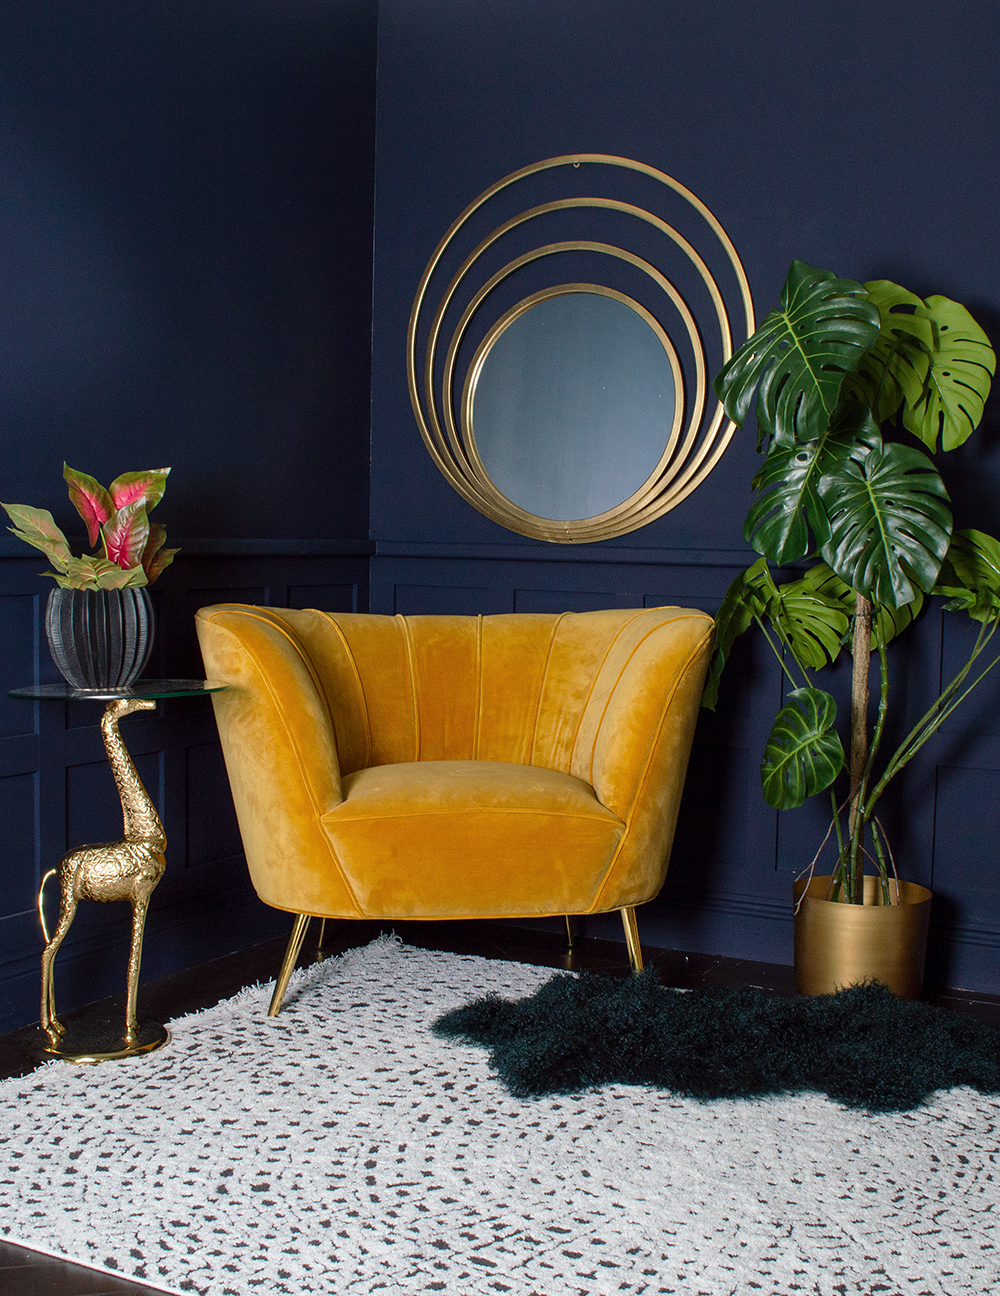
x,y
153,688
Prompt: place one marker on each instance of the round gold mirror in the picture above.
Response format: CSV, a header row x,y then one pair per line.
x,y
570,401
580,410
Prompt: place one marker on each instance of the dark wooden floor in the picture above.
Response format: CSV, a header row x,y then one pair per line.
x,y
27,1273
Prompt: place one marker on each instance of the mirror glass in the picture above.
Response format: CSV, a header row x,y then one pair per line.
x,y
573,404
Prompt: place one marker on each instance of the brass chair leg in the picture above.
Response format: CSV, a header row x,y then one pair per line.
x,y
569,932
318,954
288,966
632,939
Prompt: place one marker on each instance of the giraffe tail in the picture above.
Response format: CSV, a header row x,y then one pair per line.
x,y
41,904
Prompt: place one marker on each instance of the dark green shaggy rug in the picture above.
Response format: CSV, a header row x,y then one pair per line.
x,y
863,1046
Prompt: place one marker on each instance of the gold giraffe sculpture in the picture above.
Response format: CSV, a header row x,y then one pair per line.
x,y
123,870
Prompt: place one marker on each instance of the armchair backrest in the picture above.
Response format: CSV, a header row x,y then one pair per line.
x,y
534,689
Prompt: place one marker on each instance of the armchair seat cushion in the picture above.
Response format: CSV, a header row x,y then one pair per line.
x,y
471,838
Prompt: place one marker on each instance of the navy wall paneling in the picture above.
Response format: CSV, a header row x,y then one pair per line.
x,y
734,859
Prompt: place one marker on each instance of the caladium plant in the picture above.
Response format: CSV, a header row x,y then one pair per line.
x,y
130,548
834,368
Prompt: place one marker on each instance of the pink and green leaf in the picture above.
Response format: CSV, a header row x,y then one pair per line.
x,y
129,487
133,553
78,573
90,499
155,558
126,534
37,527
162,560
92,572
155,542
115,577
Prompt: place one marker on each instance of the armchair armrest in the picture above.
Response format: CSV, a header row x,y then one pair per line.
x,y
280,751
648,724
641,747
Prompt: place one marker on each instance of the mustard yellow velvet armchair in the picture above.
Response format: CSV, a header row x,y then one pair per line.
x,y
436,767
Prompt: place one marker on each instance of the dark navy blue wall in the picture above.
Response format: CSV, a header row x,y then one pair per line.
x,y
185,261
855,136
186,256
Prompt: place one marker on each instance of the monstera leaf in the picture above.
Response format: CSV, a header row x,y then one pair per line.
x,y
804,753
823,607
970,575
748,597
954,392
787,502
895,367
890,523
778,522
797,359
814,615
888,622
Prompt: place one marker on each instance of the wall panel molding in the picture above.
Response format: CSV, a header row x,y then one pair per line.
x,y
233,547
596,553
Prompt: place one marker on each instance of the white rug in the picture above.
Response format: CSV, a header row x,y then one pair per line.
x,y
342,1148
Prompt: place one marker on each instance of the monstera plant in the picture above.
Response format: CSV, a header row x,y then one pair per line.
x,y
855,387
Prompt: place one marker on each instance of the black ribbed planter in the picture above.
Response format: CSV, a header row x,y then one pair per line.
x,y
99,639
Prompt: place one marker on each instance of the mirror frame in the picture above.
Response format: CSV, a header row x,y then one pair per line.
x,y
688,456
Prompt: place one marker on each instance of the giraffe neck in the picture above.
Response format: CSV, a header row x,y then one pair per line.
x,y
141,821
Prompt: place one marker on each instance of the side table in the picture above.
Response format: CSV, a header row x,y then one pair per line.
x,y
128,869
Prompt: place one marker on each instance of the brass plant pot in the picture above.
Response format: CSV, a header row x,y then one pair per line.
x,y
839,944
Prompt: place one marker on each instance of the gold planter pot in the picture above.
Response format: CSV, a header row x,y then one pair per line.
x,y
838,944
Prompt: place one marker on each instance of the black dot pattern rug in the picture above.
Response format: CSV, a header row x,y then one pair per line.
x,y
343,1147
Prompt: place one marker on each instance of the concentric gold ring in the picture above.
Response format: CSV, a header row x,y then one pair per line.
x,y
687,458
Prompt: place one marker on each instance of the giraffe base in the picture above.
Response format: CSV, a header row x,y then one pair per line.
x,y
92,1040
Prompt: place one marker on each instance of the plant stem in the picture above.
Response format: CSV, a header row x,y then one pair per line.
x,y
836,876
862,651
781,656
935,716
883,868
836,824
865,807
